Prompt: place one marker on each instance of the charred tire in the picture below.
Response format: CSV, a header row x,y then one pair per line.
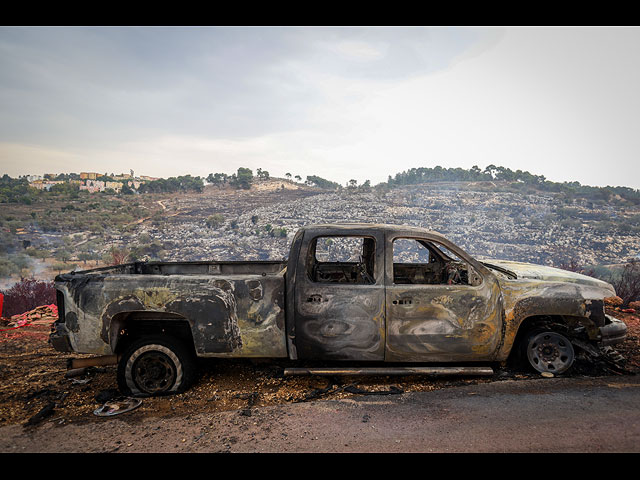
x,y
548,351
156,365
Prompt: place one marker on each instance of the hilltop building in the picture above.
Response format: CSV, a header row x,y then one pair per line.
x,y
88,181
44,184
93,186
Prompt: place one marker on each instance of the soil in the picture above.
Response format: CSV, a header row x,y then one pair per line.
x,y
34,390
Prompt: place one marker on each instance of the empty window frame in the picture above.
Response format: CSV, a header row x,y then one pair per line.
x,y
342,259
418,261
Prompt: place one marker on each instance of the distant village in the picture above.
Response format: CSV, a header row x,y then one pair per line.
x,y
91,181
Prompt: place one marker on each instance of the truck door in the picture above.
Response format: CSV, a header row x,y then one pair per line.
x,y
441,306
339,296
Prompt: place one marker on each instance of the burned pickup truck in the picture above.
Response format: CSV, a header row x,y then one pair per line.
x,y
393,298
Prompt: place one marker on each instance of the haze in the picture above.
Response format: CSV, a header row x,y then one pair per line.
x,y
341,103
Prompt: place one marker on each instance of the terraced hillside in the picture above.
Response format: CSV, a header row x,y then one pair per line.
x,y
536,228
487,219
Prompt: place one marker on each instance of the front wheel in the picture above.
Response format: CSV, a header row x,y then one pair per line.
x,y
156,365
549,351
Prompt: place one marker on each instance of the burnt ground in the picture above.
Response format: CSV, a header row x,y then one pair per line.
x,y
34,390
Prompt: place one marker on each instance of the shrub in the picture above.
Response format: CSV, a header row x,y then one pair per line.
x,y
278,232
117,256
215,220
26,295
627,282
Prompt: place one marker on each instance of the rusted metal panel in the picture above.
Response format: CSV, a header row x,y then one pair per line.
x,y
452,323
571,300
80,363
437,321
344,321
238,315
427,371
290,293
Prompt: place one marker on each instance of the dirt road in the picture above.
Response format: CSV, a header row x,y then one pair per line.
x,y
244,406
542,415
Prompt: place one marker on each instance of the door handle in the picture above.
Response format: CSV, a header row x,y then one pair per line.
x,y
314,298
403,301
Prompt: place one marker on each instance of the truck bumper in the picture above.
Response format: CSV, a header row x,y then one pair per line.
x,y
614,331
59,337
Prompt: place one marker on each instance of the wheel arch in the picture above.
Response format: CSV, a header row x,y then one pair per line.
x,y
155,364
566,324
126,327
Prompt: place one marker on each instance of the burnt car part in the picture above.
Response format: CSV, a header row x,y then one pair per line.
x,y
429,371
156,365
101,361
549,351
365,293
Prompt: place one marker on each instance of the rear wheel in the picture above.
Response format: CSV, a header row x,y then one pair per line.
x,y
549,351
156,365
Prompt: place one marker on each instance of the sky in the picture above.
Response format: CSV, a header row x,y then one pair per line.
x,y
342,103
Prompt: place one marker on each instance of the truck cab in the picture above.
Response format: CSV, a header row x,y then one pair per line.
x,y
374,293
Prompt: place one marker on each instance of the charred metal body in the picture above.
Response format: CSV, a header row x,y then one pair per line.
x,y
228,309
426,371
351,292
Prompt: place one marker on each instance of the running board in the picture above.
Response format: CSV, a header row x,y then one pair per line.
x,y
76,363
430,371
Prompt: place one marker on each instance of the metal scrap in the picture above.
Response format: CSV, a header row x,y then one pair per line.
x,y
606,356
117,407
350,388
45,412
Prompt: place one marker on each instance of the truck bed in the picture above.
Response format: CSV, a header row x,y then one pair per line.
x,y
233,309
188,268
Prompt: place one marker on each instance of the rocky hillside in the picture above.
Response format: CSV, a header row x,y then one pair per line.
x,y
530,227
487,219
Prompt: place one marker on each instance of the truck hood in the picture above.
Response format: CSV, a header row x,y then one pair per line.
x,y
530,271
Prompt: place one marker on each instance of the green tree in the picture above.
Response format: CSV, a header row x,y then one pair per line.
x,y
185,183
243,178
84,256
59,267
323,183
218,178
63,255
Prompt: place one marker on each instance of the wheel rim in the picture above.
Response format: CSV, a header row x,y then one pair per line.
x,y
154,372
550,352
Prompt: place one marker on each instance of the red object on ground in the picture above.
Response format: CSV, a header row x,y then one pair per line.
x,y
44,314
1,301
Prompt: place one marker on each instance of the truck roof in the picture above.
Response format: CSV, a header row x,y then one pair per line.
x,y
372,226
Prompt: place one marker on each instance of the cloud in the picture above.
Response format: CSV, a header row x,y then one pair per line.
x,y
341,103
358,50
